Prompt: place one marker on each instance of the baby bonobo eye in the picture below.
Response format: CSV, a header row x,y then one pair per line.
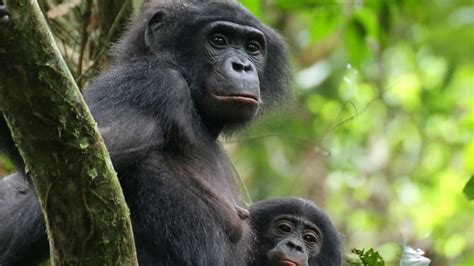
x,y
310,237
253,48
218,40
285,227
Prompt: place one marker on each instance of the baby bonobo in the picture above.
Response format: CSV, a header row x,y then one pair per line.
x,y
293,232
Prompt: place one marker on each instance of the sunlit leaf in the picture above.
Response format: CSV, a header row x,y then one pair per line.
x,y
369,257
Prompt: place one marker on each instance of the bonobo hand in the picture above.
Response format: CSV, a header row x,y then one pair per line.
x,y
4,18
243,213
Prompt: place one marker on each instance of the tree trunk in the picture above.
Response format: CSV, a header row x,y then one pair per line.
x,y
86,214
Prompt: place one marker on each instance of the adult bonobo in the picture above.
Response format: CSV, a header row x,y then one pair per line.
x,y
182,73
293,232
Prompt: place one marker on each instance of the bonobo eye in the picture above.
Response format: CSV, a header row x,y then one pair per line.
x,y
253,48
218,41
285,227
310,237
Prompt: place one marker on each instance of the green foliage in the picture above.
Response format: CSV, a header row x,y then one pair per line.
x,y
369,257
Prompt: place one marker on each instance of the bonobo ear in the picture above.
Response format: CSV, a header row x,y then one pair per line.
x,y
154,24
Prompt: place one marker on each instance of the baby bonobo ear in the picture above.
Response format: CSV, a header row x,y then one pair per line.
x,y
4,18
154,24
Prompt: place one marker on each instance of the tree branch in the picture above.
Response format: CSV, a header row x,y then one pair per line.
x,y
85,211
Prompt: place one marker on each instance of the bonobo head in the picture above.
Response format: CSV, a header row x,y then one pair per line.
x,y
233,56
234,65
293,232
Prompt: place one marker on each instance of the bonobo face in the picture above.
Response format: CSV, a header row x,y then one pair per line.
x,y
234,55
295,240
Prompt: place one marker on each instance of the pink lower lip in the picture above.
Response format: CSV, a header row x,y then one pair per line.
x,y
287,263
239,98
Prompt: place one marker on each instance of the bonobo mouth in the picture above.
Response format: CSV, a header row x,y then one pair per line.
x,y
242,98
286,262
280,259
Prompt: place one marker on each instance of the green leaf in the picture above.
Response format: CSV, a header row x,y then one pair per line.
x,y
369,257
469,189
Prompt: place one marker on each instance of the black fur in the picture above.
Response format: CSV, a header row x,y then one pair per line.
x,y
150,106
22,229
262,218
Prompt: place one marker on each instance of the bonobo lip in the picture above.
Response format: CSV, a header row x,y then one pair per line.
x,y
286,262
243,98
281,259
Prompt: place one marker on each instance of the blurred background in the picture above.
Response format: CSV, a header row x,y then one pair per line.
x,y
379,132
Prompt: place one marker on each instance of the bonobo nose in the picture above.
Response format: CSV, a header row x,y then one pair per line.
x,y
238,66
242,76
294,245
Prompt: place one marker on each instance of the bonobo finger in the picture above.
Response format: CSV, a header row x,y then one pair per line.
x,y
243,213
4,18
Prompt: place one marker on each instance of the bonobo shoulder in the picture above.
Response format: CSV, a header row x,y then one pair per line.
x,y
139,84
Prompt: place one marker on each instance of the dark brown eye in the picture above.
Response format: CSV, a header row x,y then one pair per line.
x,y
253,48
218,41
285,227
310,237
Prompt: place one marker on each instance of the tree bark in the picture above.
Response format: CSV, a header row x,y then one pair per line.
x,y
85,211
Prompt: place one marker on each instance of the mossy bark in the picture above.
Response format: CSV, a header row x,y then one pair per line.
x,y
86,214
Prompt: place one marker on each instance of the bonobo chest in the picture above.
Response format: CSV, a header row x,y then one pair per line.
x,y
207,164
171,191
202,174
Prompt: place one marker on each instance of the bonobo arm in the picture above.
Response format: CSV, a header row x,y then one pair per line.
x,y
128,135
131,105
23,239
